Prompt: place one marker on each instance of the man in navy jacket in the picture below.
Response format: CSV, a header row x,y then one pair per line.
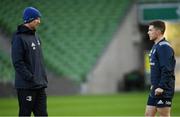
x,y
162,61
27,58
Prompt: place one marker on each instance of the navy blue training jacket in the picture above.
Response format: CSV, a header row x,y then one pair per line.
x,y
162,61
27,60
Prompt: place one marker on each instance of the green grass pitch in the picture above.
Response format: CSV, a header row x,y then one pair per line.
x,y
123,104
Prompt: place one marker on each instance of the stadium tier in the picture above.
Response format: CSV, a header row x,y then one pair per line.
x,y
6,71
74,32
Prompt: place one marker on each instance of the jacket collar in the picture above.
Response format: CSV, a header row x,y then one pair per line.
x,y
24,29
163,39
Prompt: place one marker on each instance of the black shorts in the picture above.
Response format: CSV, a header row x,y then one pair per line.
x,y
159,102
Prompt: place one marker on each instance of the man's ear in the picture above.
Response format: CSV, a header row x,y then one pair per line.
x,y
159,31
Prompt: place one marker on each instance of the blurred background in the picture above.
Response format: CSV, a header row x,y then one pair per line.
x,y
91,47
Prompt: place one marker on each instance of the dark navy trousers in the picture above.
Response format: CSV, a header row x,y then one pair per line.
x,y
32,101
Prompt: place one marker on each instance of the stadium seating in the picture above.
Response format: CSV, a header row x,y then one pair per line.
x,y
74,32
6,71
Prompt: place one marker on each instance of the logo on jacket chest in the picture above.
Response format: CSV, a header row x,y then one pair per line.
x,y
33,45
38,42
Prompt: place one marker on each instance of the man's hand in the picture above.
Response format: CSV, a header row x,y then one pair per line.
x,y
158,91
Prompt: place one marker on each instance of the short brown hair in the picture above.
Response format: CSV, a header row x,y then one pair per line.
x,y
159,25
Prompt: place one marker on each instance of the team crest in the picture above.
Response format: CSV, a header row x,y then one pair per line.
x,y
33,46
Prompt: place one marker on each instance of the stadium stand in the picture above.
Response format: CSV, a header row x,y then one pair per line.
x,y
74,32
6,71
